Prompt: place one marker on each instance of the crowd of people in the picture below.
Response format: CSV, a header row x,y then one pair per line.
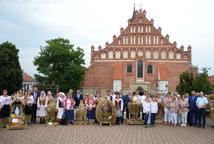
x,y
177,110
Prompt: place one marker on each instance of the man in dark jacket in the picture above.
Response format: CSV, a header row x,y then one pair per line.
x,y
36,95
192,109
77,98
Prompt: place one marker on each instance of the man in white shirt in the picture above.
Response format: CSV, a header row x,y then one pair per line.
x,y
201,103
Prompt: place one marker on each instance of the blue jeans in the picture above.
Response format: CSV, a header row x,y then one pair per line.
x,y
146,116
153,117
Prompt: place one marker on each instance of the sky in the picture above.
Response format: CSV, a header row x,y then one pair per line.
x,y
29,23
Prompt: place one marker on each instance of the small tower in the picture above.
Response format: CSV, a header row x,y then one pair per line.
x,y
182,48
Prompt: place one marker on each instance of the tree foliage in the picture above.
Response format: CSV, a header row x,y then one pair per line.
x,y
11,75
60,64
194,80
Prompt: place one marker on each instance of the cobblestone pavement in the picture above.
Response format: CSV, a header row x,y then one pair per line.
x,y
95,134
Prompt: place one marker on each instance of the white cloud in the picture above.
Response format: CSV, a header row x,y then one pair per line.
x,y
95,22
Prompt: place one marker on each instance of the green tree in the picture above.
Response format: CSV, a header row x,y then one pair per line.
x,y
11,75
201,82
60,64
194,80
185,82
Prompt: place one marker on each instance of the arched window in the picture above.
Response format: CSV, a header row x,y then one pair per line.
x,y
150,69
140,69
129,68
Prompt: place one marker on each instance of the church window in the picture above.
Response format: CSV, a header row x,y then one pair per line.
x,y
178,55
171,55
125,54
148,54
117,56
129,68
133,53
163,55
110,54
155,54
140,69
149,69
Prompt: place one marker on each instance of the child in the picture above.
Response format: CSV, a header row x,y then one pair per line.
x,y
173,111
154,110
119,108
146,111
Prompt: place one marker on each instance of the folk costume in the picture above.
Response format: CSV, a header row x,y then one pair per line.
x,y
119,109
69,104
5,102
60,106
42,107
90,105
29,101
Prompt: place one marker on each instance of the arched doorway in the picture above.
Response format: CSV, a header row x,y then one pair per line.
x,y
140,89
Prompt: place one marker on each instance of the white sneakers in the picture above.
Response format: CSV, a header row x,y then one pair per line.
x,y
183,125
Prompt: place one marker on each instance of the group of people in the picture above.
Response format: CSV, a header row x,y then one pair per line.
x,y
185,109
177,110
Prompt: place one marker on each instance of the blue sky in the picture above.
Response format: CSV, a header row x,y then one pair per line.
x,y
29,23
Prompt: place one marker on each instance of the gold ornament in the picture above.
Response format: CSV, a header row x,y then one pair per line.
x,y
106,112
81,114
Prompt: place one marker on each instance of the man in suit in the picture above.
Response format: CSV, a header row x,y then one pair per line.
x,y
36,95
77,98
126,99
192,109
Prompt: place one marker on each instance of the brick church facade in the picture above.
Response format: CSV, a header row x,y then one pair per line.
x,y
139,58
